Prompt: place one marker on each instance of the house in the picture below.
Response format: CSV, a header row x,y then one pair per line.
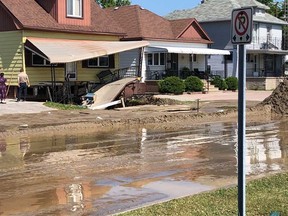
x,y
265,54
61,44
176,47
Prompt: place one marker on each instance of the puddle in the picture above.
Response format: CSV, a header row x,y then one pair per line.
x,y
105,173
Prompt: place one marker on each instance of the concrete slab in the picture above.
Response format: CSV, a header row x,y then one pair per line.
x,y
13,107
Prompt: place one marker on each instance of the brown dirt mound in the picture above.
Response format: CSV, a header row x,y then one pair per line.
x,y
278,100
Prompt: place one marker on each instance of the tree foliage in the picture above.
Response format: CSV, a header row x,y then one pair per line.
x,y
276,7
113,3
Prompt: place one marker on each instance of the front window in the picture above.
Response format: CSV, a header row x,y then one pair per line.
x,y
156,59
74,8
102,61
39,61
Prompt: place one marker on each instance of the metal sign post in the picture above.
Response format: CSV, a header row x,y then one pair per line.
x,y
241,34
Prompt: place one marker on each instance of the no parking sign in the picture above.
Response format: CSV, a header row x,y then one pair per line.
x,y
241,26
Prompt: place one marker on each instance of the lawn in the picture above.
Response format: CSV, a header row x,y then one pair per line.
x,y
263,197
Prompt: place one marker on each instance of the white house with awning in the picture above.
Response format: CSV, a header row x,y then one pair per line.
x,y
174,45
177,55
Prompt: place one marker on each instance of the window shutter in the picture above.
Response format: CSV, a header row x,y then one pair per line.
x,y
111,61
85,64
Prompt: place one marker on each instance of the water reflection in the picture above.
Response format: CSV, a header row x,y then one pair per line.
x,y
24,144
102,173
2,147
74,196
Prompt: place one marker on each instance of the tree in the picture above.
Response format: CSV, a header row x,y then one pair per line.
x,y
276,7
113,3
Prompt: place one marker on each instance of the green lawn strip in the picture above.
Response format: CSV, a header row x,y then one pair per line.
x,y
263,196
63,106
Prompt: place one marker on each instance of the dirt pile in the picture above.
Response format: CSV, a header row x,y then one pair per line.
x,y
278,100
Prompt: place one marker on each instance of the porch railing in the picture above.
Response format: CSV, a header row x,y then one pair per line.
x,y
183,74
266,43
132,71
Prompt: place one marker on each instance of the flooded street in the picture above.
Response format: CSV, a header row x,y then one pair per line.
x,y
105,173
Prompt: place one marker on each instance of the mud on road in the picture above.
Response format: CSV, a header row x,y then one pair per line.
x,y
64,121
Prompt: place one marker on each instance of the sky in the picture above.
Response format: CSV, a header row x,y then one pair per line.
x,y
163,7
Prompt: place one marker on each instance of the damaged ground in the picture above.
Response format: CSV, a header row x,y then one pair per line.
x,y
164,111
278,100
159,111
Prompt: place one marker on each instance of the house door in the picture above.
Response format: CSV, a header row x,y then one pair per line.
x,y
174,64
174,61
269,65
71,71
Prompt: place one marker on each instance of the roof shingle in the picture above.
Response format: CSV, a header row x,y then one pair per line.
x,y
220,10
140,23
31,15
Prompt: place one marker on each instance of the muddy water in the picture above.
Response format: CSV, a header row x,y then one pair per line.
x,y
104,173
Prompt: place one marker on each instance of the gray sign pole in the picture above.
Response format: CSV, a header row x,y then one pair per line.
x,y
241,130
241,34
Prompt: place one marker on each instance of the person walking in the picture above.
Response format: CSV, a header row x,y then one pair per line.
x,y
23,83
3,81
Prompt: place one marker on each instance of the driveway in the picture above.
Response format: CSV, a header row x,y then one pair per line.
x,y
13,107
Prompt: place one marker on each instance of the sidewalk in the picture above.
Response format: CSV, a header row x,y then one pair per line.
x,y
13,107
219,96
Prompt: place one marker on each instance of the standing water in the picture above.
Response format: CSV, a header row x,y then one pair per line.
x,y
108,172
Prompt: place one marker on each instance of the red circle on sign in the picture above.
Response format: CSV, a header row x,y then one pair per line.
x,y
244,25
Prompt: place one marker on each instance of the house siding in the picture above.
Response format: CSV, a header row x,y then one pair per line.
x,y
12,57
42,74
218,33
86,11
130,59
11,54
71,36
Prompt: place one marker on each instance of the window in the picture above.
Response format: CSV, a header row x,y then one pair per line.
x,y
102,61
156,59
39,61
74,8
194,58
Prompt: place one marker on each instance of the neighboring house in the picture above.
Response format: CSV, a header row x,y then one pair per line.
x,y
176,47
265,55
61,44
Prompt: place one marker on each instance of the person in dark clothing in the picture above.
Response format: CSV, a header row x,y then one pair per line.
x,y
3,88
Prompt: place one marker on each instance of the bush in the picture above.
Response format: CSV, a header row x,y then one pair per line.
x,y
232,83
193,84
216,81
222,85
172,84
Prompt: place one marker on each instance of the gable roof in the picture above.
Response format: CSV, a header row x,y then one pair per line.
x,y
140,24
28,14
222,10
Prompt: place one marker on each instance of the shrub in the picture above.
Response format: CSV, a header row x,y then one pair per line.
x,y
185,72
232,83
193,84
172,84
222,85
216,81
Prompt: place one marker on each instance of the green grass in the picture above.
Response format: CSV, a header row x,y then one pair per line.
x,y
263,196
63,106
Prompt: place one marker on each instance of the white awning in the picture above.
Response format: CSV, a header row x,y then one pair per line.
x,y
63,50
188,50
267,51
